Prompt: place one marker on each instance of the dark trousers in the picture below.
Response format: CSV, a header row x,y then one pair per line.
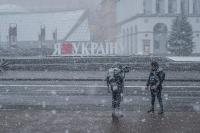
x,y
154,94
116,99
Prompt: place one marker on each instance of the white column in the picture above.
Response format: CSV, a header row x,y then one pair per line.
x,y
128,41
153,6
140,6
178,6
166,6
190,6
125,42
136,39
136,6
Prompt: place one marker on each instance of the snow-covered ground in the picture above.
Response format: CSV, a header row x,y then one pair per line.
x,y
183,58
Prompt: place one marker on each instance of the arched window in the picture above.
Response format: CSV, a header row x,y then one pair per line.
x,y
147,6
196,7
160,38
185,7
172,6
160,6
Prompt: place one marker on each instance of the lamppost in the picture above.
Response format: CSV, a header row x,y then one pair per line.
x,y
42,39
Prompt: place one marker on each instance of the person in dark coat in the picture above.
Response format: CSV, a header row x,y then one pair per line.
x,y
115,83
154,84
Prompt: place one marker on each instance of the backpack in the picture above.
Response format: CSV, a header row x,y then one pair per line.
x,y
161,75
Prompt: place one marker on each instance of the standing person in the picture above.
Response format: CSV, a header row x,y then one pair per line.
x,y
115,83
154,84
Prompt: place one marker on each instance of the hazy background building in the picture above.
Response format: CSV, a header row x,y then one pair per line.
x,y
144,25
34,24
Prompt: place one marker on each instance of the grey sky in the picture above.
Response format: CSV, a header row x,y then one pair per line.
x,y
52,4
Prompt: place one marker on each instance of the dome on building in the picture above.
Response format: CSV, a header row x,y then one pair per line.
x,y
9,8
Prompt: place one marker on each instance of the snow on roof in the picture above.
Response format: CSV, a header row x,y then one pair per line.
x,y
185,59
29,24
9,8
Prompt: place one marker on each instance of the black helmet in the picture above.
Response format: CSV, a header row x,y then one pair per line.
x,y
155,64
117,64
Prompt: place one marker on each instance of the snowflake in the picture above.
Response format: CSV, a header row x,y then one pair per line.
x,y
135,92
53,92
53,112
82,91
27,115
196,107
166,96
25,88
67,99
143,120
88,131
126,100
66,131
103,101
43,104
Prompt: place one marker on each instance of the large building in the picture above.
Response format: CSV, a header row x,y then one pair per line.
x,y
55,33
144,25
25,29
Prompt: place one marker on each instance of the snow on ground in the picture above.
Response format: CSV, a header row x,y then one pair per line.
x,y
185,59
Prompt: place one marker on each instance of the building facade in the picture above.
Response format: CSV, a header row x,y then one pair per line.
x,y
36,29
144,25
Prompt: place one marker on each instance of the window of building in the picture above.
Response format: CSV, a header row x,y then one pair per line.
x,y
185,7
172,6
160,6
147,6
146,46
156,45
196,7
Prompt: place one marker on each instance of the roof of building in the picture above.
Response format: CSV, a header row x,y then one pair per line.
x,y
9,8
29,25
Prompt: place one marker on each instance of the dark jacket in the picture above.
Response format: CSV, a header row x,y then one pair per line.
x,y
155,78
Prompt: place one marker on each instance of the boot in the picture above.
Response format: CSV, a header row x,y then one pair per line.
x,y
161,112
119,113
151,110
113,112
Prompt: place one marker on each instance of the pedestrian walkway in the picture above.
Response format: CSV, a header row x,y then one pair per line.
x,y
32,121
92,75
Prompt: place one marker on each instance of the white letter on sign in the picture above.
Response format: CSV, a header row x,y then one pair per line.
x,y
75,48
57,49
85,48
93,48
